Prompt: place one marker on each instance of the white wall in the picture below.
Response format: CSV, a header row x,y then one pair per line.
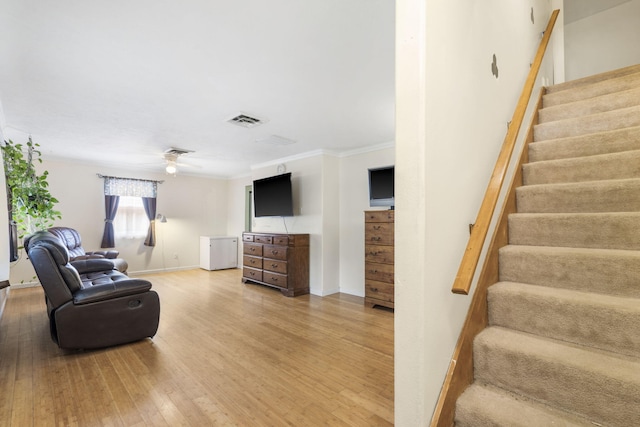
x,y
354,200
451,118
193,207
604,41
4,230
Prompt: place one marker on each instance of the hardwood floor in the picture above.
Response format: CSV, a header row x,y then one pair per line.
x,y
226,353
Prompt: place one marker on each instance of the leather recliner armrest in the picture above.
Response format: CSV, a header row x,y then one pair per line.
x,y
107,254
109,291
92,265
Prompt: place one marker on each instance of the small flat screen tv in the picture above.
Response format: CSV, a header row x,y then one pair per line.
x,y
273,196
381,186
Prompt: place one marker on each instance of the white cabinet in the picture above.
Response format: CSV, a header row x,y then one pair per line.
x,y
217,253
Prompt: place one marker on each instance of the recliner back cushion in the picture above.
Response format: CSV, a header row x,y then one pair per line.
x,y
59,256
70,238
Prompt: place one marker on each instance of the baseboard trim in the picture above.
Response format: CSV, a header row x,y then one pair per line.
x,y
161,270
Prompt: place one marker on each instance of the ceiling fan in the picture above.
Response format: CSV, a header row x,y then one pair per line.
x,y
171,156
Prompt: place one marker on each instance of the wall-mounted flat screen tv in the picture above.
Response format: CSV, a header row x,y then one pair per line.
x,y
381,184
273,196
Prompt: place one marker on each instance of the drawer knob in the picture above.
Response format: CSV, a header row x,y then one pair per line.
x,y
275,279
376,227
274,265
274,252
375,238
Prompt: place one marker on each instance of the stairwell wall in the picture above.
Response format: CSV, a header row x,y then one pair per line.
x,y
452,115
604,41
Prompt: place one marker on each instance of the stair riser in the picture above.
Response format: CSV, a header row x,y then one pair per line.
x,y
603,272
593,168
619,84
605,231
601,122
617,196
608,399
569,316
626,139
591,106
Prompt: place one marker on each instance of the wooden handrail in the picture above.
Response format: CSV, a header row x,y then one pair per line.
x,y
467,269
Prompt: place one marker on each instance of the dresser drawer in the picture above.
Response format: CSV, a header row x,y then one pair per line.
x,y
275,279
378,233
379,253
252,261
263,239
247,237
379,272
379,290
275,252
252,274
276,266
281,240
252,249
379,216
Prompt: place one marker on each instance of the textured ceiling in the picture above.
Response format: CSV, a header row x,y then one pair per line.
x,y
118,82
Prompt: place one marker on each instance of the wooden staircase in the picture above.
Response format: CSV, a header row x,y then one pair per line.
x,y
563,343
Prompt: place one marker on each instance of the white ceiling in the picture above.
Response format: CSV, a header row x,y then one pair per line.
x,y
117,82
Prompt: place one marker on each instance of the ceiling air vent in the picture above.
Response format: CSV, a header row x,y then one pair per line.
x,y
246,121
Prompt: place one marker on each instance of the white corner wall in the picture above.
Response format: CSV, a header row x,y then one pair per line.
x,y
4,231
193,207
604,41
451,119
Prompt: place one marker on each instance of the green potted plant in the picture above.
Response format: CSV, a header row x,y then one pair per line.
x,y
31,205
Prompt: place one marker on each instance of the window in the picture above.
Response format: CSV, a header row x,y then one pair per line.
x,y
131,220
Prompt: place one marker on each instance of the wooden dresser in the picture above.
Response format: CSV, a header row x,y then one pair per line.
x,y
277,260
378,258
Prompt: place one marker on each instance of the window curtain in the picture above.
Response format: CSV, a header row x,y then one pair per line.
x,y
115,187
110,208
149,204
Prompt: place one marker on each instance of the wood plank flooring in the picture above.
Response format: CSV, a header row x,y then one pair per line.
x,y
226,354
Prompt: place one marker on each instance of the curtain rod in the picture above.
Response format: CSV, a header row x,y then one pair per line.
x,y
131,179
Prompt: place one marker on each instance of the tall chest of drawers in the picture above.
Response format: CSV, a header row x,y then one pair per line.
x,y
379,258
277,260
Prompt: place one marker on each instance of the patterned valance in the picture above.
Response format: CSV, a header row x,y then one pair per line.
x,y
116,186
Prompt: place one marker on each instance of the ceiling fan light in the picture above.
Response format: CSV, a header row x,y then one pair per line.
x,y
171,167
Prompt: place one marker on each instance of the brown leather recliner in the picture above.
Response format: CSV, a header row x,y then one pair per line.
x,y
71,238
90,304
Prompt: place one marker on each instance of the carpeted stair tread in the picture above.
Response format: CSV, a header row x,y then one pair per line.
x,y
604,87
621,165
616,230
607,271
600,122
625,139
586,107
601,386
487,406
588,319
563,345
616,195
594,79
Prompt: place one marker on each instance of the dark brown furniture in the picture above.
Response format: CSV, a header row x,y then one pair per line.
x,y
277,260
71,239
89,303
378,257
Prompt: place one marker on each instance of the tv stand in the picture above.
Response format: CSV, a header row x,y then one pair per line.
x,y
280,261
